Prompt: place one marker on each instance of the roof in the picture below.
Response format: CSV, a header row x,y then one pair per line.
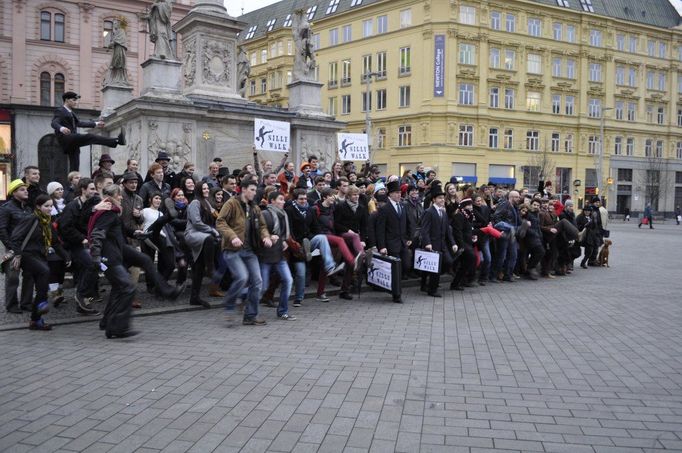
x,y
657,13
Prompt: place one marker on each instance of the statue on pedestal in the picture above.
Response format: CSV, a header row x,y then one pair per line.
x,y
160,29
117,41
243,71
304,58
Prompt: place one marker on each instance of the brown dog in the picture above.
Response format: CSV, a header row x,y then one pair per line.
x,y
603,258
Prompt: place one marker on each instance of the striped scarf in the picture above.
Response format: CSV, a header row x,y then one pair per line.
x,y
45,222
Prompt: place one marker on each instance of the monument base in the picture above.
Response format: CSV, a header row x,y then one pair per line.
x,y
305,98
114,96
162,79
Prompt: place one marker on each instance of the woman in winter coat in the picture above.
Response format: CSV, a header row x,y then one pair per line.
x,y
33,241
55,262
175,211
586,221
481,220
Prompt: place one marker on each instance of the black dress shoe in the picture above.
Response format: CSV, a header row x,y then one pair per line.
x,y
200,302
14,309
122,137
345,295
398,300
423,289
434,294
457,288
126,334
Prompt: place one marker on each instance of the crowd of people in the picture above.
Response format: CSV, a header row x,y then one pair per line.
x,y
261,228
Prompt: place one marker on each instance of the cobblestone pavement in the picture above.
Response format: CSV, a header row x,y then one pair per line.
x,y
586,363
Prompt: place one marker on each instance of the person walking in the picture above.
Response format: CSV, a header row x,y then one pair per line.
x,y
648,215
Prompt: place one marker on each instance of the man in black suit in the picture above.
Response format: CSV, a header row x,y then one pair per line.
x,y
315,194
65,124
436,236
392,230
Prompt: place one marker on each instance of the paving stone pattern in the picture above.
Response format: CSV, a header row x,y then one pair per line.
x,y
588,363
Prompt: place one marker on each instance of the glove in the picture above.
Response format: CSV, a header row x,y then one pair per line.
x,y
97,263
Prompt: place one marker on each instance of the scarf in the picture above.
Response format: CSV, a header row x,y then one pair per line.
x,y
277,227
97,214
289,175
469,215
353,206
45,222
303,210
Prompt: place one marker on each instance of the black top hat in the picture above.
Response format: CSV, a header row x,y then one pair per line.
x,y
162,156
437,190
70,95
393,186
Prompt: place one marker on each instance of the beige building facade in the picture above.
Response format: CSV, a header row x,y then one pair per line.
x,y
505,92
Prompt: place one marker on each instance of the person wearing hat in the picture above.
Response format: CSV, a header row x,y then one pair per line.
x,y
463,232
169,175
11,215
105,166
393,235
306,181
65,124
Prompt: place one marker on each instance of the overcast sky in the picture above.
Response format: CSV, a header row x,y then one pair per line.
x,y
235,7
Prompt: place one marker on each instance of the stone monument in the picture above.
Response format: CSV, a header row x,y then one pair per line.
x,y
305,95
117,90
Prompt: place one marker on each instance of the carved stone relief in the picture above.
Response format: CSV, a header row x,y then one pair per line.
x,y
216,63
189,66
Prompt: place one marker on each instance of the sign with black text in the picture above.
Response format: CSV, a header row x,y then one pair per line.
x,y
379,274
352,146
427,261
271,135
439,66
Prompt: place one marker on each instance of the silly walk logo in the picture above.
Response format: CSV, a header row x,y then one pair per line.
x,y
271,135
426,261
352,146
379,274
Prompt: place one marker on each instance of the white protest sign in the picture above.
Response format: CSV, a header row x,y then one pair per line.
x,y
271,135
352,146
379,274
426,261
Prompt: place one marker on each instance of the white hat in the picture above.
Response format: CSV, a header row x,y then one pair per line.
x,y
51,187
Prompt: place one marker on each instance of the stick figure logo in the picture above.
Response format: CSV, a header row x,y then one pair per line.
x,y
262,134
344,147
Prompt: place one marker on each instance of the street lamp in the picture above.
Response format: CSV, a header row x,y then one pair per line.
x,y
368,103
600,160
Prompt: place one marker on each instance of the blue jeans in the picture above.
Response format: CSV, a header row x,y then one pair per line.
x,y
299,279
506,256
485,260
282,269
320,242
245,271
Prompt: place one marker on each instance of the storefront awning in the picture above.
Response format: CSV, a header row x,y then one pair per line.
x,y
506,181
464,179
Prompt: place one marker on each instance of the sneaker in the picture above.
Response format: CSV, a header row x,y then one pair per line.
x,y
322,298
315,252
84,306
287,317
358,261
254,322
297,303
306,249
336,270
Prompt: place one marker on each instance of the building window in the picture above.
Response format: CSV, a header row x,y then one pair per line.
x,y
381,64
650,80
531,176
620,42
594,108
287,21
467,15
619,109
405,18
570,105
252,88
51,88
679,116
570,33
510,23
509,96
632,111
557,30
493,137
107,28
556,67
508,138
496,21
466,135
649,114
333,75
568,143
310,13
632,44
347,33
678,151
660,115
264,55
466,94
381,138
534,63
595,72
333,4
661,81
534,27
618,146
263,85
345,72
532,140
366,66
404,96
570,69
345,104
556,104
367,28
593,144
52,26
333,36
587,5
404,135
662,49
509,59
648,144
620,75
355,3
494,97
366,101
333,106
382,24
494,57
659,148
405,60
632,77
595,38
381,99
630,146
467,53
554,144
533,100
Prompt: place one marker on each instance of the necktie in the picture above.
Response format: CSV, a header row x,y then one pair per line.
x,y
399,209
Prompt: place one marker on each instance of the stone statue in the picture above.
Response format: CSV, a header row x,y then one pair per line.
x,y
243,71
160,29
304,58
117,41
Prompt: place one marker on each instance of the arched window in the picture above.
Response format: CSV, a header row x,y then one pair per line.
x,y
45,88
107,28
58,88
52,26
51,88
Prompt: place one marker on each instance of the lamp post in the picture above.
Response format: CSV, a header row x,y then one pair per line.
x,y
600,160
368,103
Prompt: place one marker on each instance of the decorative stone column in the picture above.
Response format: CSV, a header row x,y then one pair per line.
x,y
114,96
209,37
305,98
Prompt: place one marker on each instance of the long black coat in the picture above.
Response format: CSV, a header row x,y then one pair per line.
x,y
392,231
436,231
345,219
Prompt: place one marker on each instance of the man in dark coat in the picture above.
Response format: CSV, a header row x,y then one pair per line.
x,y
462,231
65,124
415,211
393,235
436,236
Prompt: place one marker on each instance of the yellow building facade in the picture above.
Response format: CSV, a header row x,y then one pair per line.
x,y
503,91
